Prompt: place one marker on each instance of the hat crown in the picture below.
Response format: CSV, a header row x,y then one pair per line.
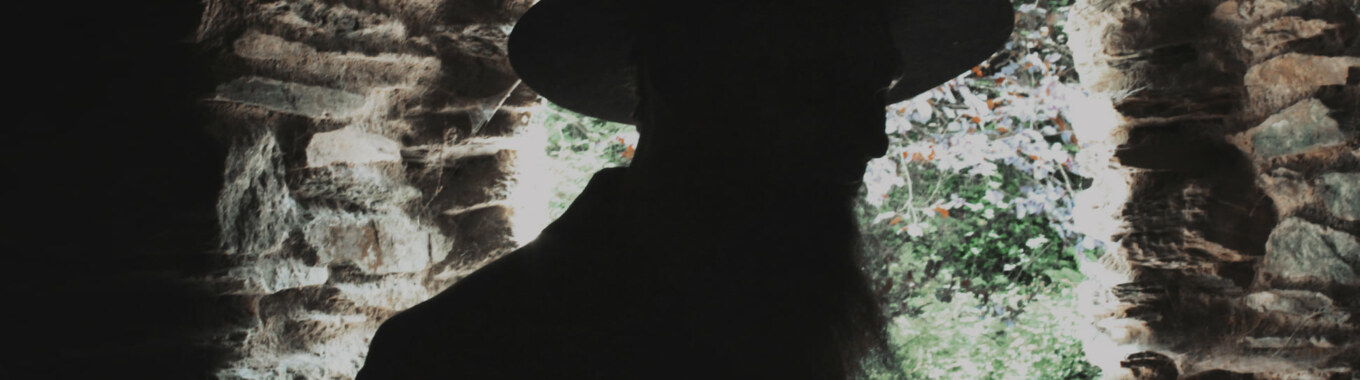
x,y
579,53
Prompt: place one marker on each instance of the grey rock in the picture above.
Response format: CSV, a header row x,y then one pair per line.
x,y
274,274
1281,34
1296,129
379,243
310,101
1287,79
350,145
1276,342
369,187
1297,302
1341,194
1289,189
254,207
1299,250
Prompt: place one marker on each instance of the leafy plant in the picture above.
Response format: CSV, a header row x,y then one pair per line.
x,y
579,146
968,222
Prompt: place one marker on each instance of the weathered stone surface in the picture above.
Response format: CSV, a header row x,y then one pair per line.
x,y
1150,365
273,274
1297,129
273,56
368,187
329,95
1266,28
1302,251
335,27
1341,194
391,292
1288,189
254,209
351,146
378,244
1276,55
297,326
1285,79
311,101
489,226
1276,36
1245,13
1296,302
1283,342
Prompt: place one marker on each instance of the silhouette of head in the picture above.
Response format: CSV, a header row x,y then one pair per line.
x,y
728,249
708,78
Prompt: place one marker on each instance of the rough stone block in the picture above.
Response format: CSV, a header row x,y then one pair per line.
x,y
459,12
1302,251
1341,194
274,274
1283,342
272,56
351,146
1299,128
477,180
378,243
335,27
254,209
1282,35
1243,13
292,98
1288,189
1285,79
393,292
1296,302
368,187
482,232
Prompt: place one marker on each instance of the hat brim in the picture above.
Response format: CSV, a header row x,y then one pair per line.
x,y
575,53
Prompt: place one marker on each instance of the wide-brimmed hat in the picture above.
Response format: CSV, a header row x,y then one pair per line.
x,y
576,53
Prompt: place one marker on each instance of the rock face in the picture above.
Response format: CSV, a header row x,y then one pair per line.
x,y
1341,194
1297,129
369,167
1238,251
1299,251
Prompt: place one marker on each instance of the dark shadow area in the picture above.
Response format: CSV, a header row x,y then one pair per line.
x,y
729,247
111,181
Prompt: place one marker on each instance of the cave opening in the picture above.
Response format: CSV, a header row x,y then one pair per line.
x,y
1187,209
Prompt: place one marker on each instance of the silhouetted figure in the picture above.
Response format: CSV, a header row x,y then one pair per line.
x,y
728,249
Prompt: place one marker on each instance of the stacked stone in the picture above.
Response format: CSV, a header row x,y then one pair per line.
x,y
370,162
1237,138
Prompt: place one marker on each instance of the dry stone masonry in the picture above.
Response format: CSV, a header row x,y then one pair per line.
x,y
371,164
1234,151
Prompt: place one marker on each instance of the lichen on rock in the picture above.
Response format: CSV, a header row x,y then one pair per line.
x,y
1299,128
1341,194
1305,252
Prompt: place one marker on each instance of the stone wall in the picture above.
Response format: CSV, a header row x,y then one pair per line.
x,y
1235,177
371,163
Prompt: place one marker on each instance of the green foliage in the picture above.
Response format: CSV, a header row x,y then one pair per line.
x,y
968,223
980,292
982,241
578,147
1019,333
